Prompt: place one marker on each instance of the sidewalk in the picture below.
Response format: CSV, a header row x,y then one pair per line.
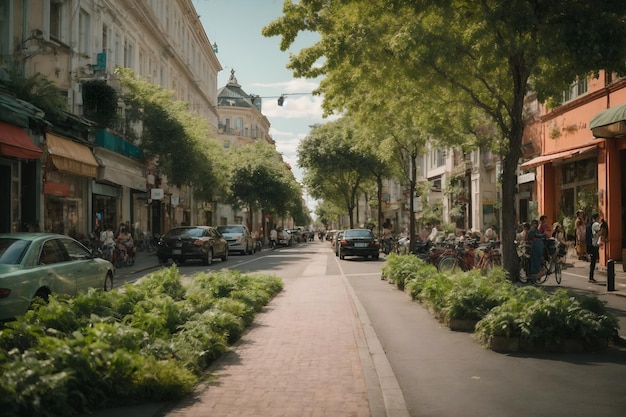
x,y
311,353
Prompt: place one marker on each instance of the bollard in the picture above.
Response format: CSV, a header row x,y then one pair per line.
x,y
610,275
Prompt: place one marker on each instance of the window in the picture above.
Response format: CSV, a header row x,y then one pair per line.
x,y
105,38
576,89
437,158
84,33
239,125
55,20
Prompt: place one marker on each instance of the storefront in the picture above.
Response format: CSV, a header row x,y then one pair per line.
x,y
19,161
119,194
68,170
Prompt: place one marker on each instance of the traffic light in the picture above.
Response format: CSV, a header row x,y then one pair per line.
x,y
281,100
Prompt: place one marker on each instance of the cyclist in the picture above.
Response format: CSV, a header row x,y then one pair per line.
x,y
537,248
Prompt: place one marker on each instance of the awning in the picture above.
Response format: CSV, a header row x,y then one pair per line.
x,y
120,170
15,142
544,159
609,123
71,157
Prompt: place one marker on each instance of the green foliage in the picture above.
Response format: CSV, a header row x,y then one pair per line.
x,y
538,317
37,90
150,341
472,295
175,136
100,103
502,309
401,269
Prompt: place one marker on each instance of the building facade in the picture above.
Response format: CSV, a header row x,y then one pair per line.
x,y
85,178
575,167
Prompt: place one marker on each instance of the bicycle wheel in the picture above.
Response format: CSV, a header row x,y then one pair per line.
x,y
524,266
448,264
557,270
543,277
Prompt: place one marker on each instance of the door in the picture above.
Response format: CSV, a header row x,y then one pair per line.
x,y
5,198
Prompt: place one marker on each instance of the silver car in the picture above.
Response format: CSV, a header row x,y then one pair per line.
x,y
34,265
239,238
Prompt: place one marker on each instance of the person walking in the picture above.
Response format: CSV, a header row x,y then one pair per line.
x,y
580,229
593,239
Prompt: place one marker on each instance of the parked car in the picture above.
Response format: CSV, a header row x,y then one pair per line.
x,y
34,265
192,242
359,242
337,241
284,237
238,237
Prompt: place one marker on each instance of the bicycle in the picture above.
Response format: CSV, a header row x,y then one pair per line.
x,y
463,258
490,256
551,262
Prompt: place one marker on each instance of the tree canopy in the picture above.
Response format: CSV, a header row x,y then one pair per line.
x,y
175,137
481,57
259,180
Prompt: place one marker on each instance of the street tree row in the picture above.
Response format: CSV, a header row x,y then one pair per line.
x,y
454,72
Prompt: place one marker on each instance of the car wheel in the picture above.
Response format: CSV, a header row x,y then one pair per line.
x,y
376,256
40,298
225,257
208,258
163,260
108,282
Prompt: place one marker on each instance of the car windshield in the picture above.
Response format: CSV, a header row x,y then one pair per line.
x,y
230,229
185,232
357,233
12,250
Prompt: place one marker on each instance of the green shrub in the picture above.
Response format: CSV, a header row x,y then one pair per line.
x,y
149,341
401,269
424,273
472,295
540,318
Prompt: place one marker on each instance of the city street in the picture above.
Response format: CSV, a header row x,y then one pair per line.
x,y
439,372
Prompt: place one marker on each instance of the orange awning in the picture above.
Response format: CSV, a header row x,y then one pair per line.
x,y
69,156
544,159
15,142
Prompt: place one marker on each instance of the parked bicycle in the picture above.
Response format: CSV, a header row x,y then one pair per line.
x,y
490,255
463,257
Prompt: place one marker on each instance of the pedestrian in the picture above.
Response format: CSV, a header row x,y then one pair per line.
x,y
544,227
559,236
580,230
593,239
537,249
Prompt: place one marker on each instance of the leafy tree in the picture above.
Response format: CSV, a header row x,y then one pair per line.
x,y
175,137
335,167
259,181
484,55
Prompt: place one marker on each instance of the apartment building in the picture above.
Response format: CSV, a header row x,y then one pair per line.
x,y
579,151
84,178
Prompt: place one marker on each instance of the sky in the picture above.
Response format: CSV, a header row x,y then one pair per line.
x,y
261,69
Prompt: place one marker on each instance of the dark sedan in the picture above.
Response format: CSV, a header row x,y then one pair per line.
x,y
192,242
359,242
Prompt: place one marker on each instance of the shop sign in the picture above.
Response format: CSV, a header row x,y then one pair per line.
x,y
156,193
524,178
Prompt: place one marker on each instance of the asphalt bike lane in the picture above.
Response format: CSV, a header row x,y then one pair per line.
x,y
444,373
